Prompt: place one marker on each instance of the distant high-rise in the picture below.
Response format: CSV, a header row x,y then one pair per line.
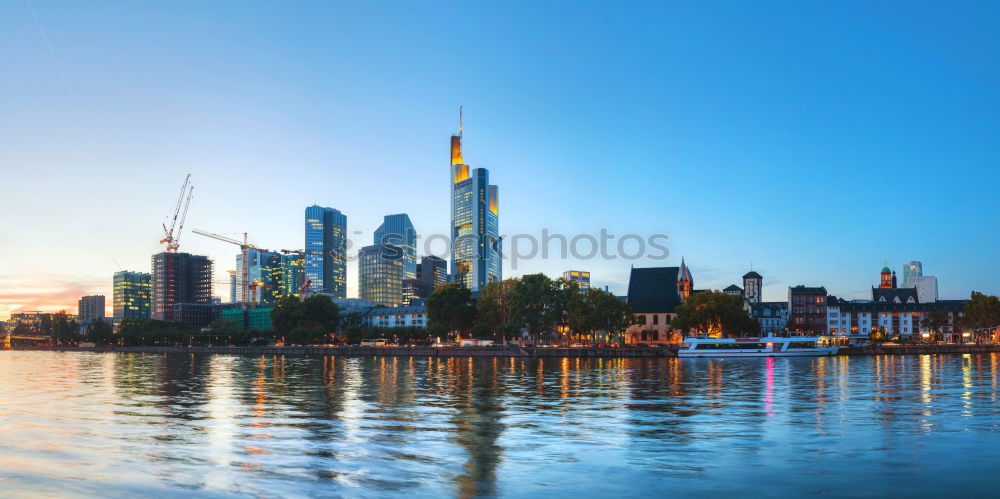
x,y
380,275
131,295
325,250
291,275
397,230
179,278
580,277
910,271
90,308
432,272
271,275
475,221
927,288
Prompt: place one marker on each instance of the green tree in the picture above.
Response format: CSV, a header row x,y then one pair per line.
x,y
493,310
319,313
63,330
450,310
935,322
981,311
534,305
100,332
613,316
46,324
286,314
714,313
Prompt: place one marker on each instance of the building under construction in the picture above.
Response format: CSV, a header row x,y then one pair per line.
x,y
179,278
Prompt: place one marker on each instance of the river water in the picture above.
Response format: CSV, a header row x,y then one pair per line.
x,y
177,425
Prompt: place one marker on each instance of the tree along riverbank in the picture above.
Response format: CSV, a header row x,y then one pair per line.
x,y
384,351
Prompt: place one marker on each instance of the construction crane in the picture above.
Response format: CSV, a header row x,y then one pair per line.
x,y
245,268
173,241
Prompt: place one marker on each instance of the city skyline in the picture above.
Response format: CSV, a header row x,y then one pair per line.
x,y
813,138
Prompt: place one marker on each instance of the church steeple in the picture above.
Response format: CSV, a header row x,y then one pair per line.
x,y
684,281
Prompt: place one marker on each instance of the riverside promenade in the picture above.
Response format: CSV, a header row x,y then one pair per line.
x,y
510,351
918,349
583,352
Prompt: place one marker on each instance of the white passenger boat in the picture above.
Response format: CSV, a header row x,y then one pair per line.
x,y
769,346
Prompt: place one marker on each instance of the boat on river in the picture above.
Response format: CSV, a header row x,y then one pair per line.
x,y
769,346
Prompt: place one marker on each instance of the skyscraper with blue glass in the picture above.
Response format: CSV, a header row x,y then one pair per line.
x,y
475,220
325,250
397,230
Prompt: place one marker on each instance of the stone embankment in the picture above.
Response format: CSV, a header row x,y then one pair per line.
x,y
386,351
918,349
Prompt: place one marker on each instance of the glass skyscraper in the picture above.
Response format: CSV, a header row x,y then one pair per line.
x,y
380,275
271,276
397,230
475,221
911,271
131,295
325,250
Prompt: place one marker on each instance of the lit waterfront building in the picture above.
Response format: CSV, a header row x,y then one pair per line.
x,y
90,308
578,276
893,311
179,278
35,319
476,244
325,250
131,298
392,317
771,315
397,230
380,275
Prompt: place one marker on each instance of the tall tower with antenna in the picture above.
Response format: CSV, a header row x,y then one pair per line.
x,y
475,221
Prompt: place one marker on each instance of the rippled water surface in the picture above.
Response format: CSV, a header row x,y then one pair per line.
x,y
83,424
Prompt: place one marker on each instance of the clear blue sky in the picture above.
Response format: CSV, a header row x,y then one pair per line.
x,y
815,139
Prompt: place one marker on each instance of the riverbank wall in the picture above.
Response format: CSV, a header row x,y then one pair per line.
x,y
917,349
385,351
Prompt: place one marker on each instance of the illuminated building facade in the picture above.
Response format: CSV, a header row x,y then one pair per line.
x,y
271,275
578,276
179,278
131,295
380,275
291,276
325,250
475,221
807,309
397,230
90,308
654,294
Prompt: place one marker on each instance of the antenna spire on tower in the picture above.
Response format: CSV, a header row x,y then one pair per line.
x,y
459,120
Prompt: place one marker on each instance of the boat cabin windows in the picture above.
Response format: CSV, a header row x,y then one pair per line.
x,y
802,344
731,346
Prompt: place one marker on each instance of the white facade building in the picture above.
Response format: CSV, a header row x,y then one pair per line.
x,y
412,316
